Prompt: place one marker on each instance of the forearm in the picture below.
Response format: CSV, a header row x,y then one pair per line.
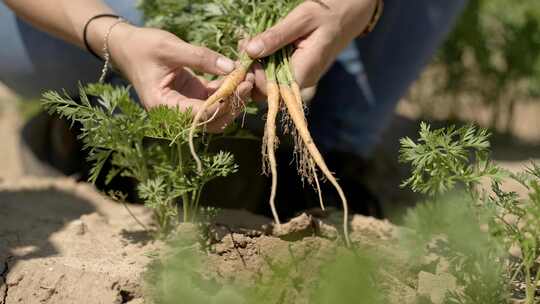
x,y
65,18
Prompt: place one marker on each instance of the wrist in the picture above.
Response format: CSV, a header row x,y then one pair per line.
x,y
375,17
118,44
105,36
97,31
360,15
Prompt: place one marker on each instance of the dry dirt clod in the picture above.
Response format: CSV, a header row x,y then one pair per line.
x,y
4,287
380,229
326,231
515,251
436,286
79,227
297,228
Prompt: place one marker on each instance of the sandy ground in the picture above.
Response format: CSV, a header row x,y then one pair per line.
x,y
61,241
11,164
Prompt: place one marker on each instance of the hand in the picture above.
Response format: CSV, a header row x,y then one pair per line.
x,y
320,30
157,64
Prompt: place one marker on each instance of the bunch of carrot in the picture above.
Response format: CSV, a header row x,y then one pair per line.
x,y
283,95
220,24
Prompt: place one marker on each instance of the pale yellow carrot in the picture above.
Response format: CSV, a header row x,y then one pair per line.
x,y
296,115
225,91
271,142
298,95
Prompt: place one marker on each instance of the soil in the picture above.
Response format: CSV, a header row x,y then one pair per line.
x,y
63,242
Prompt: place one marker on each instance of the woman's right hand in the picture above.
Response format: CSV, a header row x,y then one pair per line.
x,y
158,64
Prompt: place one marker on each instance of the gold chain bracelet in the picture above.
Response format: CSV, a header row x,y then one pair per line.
x,y
379,8
106,51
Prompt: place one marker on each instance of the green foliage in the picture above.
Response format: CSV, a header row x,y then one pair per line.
x,y
148,146
493,54
216,24
511,220
455,218
502,40
440,159
451,229
469,232
350,277
221,24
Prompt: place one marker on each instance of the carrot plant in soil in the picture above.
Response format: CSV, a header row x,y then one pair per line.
x,y
221,25
473,231
454,159
150,147
480,246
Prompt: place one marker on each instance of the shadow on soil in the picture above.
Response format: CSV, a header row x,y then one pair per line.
x,y
29,218
142,237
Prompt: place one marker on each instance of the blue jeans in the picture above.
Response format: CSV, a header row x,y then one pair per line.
x,y
32,61
355,99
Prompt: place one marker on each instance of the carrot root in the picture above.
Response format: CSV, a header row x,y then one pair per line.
x,y
225,91
314,178
318,186
270,143
296,115
209,120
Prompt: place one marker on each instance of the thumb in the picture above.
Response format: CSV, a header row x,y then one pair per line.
x,y
310,62
298,23
202,59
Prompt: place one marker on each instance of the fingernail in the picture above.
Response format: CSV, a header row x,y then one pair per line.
x,y
225,64
255,47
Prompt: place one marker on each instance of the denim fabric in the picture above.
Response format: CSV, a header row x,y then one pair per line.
x,y
32,61
355,99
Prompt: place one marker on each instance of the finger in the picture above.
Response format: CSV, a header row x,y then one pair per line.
x,y
174,99
244,90
168,92
312,59
188,84
202,59
242,44
203,80
214,85
298,23
250,77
